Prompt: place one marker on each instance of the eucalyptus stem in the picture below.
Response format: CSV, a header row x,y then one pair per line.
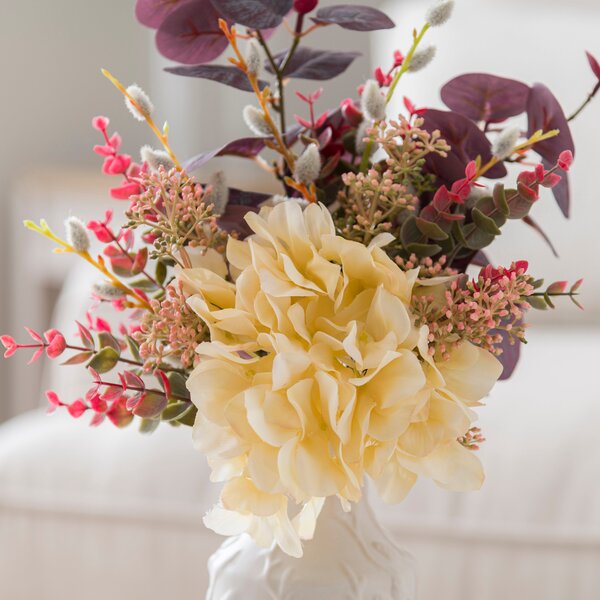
x,y
585,102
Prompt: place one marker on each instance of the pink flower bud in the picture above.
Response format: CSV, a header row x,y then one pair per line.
x,y
100,123
305,6
565,159
77,408
10,345
351,112
594,64
56,343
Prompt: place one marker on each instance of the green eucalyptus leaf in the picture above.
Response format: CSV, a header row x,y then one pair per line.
x,y
499,199
485,223
410,233
537,302
143,284
431,230
423,250
134,348
161,272
105,360
518,205
475,238
189,418
178,387
176,411
149,425
107,340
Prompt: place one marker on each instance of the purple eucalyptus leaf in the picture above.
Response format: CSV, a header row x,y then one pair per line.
x,y
258,14
356,18
308,63
153,12
244,198
191,34
244,147
480,259
467,142
483,97
233,219
510,354
544,112
228,75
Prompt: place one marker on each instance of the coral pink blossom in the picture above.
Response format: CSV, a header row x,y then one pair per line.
x,y
56,343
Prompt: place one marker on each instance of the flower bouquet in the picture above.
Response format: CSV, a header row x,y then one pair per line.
x,y
346,329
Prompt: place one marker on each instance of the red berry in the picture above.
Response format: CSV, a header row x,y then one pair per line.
x,y
305,6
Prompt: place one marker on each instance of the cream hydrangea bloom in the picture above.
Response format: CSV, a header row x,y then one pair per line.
x,y
316,377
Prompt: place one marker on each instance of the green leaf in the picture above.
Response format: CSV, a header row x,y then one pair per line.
x,y
178,387
151,405
499,198
134,348
485,223
475,238
161,272
431,230
410,233
149,425
537,302
423,250
176,411
143,284
105,360
107,340
189,418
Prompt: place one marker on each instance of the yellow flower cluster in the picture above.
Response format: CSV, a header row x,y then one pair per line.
x,y
316,377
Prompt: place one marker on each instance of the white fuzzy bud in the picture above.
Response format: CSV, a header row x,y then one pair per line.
x,y
107,291
253,57
308,165
156,158
255,120
77,235
219,193
373,101
421,58
145,105
440,12
361,134
505,143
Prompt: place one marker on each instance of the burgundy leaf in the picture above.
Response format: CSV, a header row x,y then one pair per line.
x,y
153,12
544,112
151,405
480,259
191,34
467,142
245,147
258,14
356,18
233,219
510,355
483,97
594,64
228,75
308,63
243,198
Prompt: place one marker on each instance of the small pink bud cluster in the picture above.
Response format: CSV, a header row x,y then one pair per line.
x,y
115,163
472,440
172,329
477,310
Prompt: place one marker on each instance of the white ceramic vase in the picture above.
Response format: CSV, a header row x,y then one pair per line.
x,y
350,558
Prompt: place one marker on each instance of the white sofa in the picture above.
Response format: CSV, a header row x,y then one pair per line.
x,y
103,513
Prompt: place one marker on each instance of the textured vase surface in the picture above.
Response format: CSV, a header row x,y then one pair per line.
x,y
350,558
